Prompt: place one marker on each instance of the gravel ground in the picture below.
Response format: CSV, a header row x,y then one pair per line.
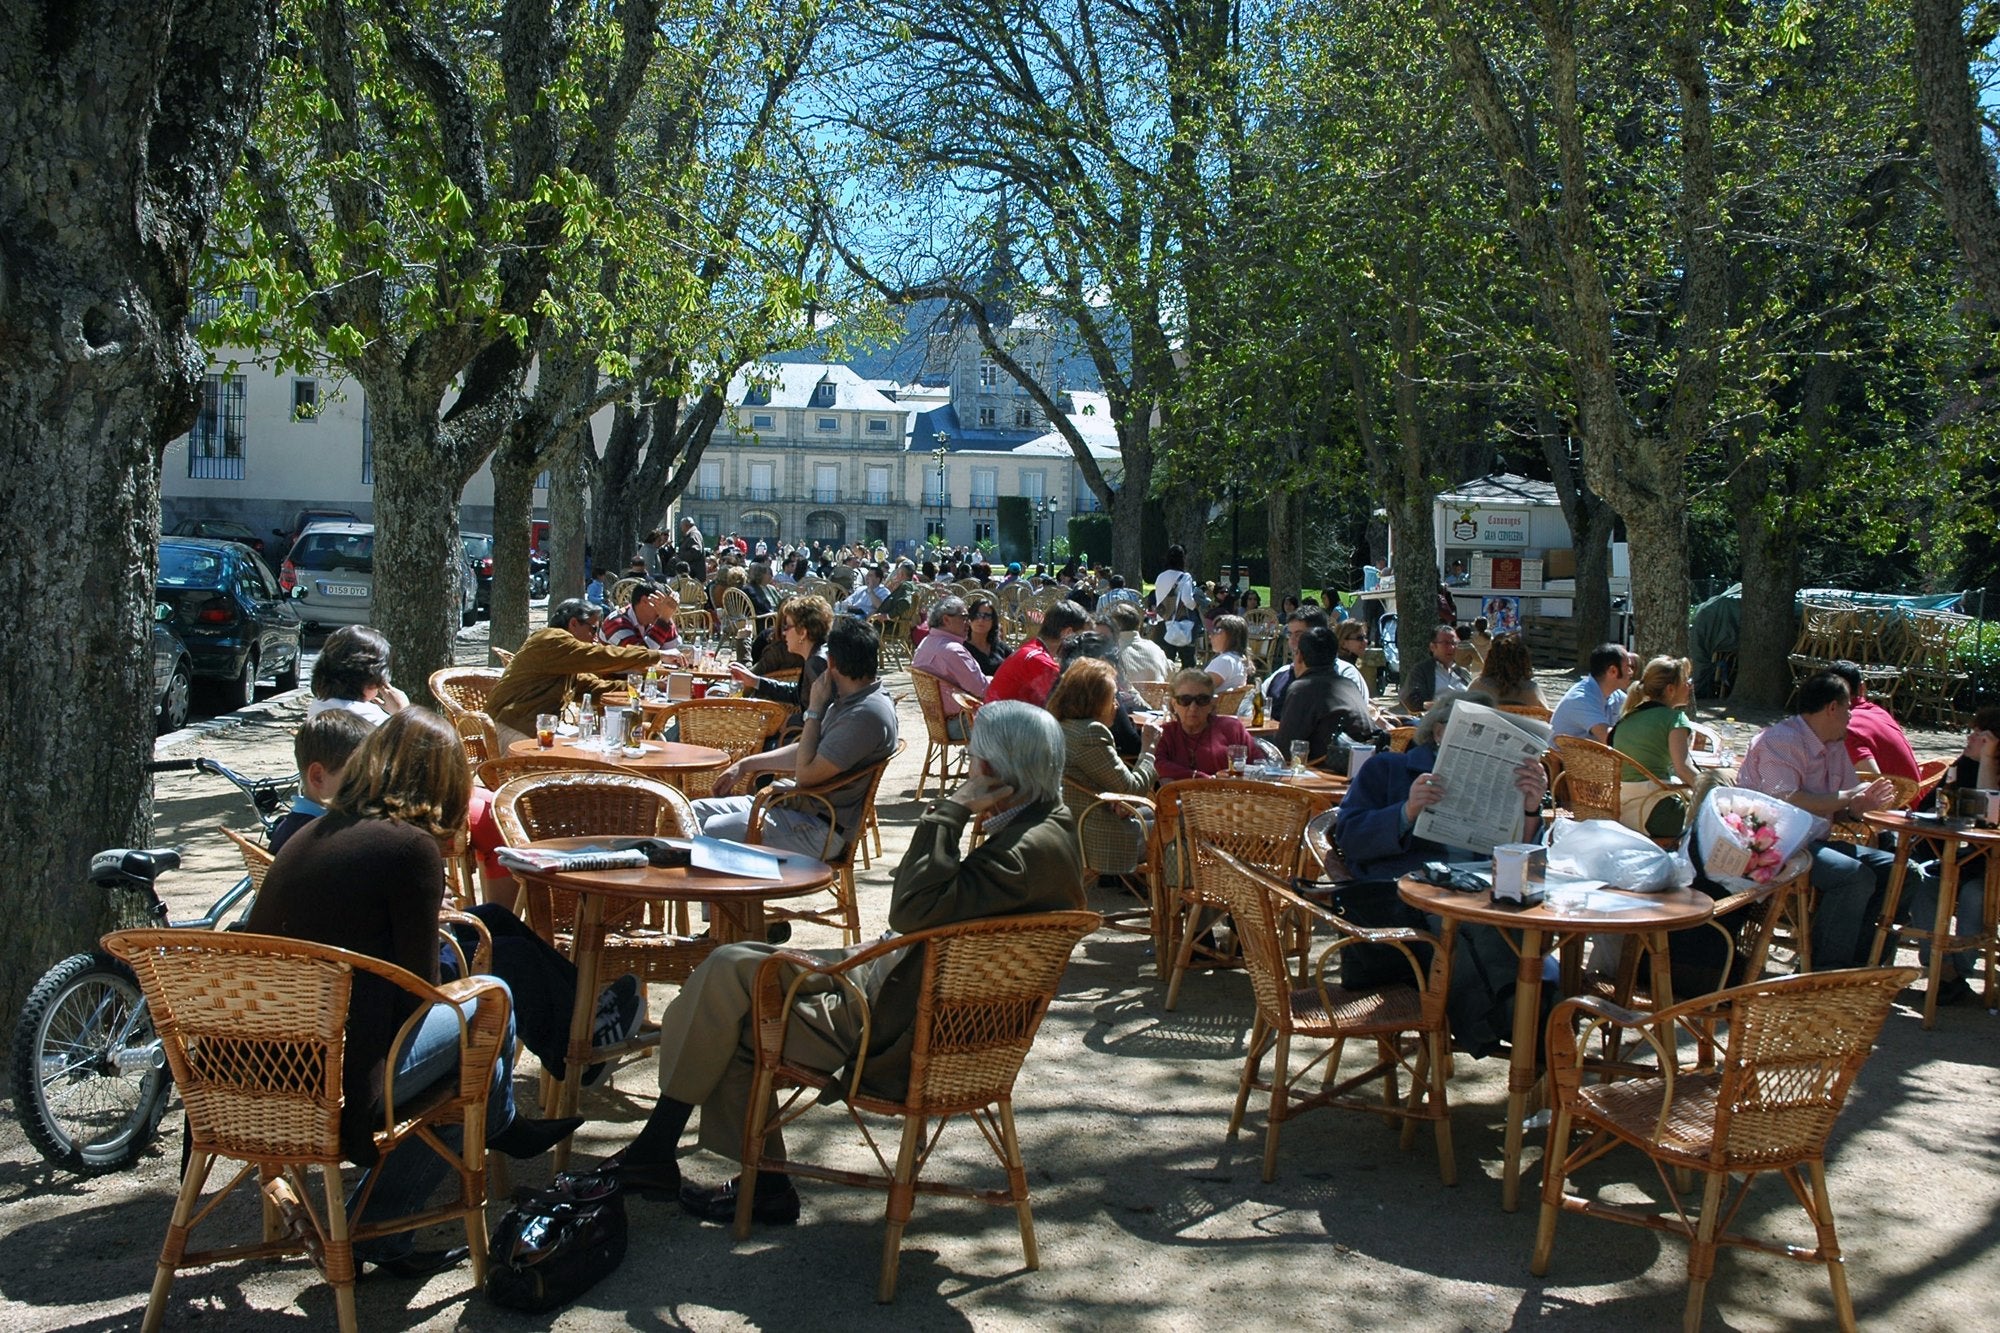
x,y
1147,1214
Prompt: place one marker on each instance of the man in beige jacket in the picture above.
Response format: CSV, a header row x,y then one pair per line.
x,y
558,664
1026,863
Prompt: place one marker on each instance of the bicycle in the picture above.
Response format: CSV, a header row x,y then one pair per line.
x,y
90,1079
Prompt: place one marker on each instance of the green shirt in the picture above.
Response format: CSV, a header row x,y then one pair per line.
x,y
1642,735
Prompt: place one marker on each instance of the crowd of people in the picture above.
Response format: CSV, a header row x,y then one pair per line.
x,y
1060,727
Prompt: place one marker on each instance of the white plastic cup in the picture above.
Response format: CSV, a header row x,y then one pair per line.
x,y
1357,755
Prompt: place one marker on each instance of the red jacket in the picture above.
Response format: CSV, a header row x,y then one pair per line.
x,y
1028,674
1874,739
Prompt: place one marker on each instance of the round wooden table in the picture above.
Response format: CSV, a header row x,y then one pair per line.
x,y
1547,926
1952,841
665,760
738,905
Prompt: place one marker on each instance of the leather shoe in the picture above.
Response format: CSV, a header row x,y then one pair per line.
x,y
777,1206
650,1180
423,1263
528,1137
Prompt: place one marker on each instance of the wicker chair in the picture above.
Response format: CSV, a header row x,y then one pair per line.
x,y
502,656
1790,1051
938,742
1591,777
575,803
738,727
256,857
463,689
1535,711
481,737
845,913
694,623
1263,824
620,594
741,621
984,989
1263,909
1157,693
497,773
254,1029
895,633
1401,739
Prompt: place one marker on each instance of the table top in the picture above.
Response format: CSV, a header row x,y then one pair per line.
x,y
657,756
1902,821
797,875
1672,910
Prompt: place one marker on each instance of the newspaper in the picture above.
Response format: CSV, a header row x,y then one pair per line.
x,y
1476,759
538,860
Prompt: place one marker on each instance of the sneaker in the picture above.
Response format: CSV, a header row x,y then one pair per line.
x,y
618,1013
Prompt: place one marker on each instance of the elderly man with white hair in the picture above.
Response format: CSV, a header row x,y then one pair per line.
x,y
1026,862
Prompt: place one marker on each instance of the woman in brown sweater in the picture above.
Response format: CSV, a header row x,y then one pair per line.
x,y
369,876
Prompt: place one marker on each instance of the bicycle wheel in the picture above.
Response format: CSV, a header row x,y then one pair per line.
x,y
90,1080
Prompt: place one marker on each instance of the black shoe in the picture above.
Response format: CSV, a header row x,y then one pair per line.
x,y
528,1137
1956,990
777,932
423,1263
776,1206
650,1180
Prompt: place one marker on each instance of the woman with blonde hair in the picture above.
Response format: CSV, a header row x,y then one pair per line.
x,y
1085,703
1655,732
369,876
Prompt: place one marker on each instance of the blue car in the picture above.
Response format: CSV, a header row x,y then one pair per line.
x,y
226,607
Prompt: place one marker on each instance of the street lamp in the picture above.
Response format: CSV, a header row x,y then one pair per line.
x,y
1049,546
943,439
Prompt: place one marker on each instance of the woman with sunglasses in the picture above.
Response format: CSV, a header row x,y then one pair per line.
x,y
982,638
1195,742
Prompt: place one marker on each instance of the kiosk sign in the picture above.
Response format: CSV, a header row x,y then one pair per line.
x,y
1492,527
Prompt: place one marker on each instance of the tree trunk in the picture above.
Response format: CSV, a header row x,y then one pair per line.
x,y
1285,543
568,522
1769,624
614,517
1966,183
1592,606
1128,515
1657,533
513,504
122,125
1416,578
417,552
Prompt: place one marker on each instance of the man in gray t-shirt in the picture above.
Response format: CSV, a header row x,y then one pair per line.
x,y
850,726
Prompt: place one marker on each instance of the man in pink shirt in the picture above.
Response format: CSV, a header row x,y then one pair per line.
x,y
1875,740
1030,671
943,654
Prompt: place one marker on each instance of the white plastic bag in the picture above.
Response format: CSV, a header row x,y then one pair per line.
x,y
1622,857
1746,837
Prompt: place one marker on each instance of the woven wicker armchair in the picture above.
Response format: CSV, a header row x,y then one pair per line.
x,y
845,914
984,989
574,803
1790,1051
738,727
1264,910
1262,823
254,1029
1157,693
1401,739
1591,777
938,741
741,621
502,656
480,737
497,773
256,857
463,689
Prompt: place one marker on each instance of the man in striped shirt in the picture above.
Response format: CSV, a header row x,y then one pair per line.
x,y
647,623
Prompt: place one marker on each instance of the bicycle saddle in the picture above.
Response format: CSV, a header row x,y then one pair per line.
x,y
124,867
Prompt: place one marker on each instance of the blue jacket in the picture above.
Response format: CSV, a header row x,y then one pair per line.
x,y
1369,827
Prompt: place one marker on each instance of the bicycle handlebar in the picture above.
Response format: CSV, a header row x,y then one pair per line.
x,y
171,765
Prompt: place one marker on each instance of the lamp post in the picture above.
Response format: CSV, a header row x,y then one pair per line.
x,y
1049,547
937,454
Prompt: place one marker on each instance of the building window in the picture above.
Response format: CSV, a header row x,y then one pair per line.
x,y
542,480
982,532
763,483
878,485
367,443
763,421
822,394
217,443
1024,417
305,400
710,525
1034,485
828,424
708,486
826,483
933,530
878,425
985,488
988,417
989,371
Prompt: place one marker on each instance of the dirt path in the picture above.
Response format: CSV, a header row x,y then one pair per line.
x,y
1148,1216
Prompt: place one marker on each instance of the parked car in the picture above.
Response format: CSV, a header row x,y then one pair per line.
x,y
479,558
222,529
173,673
305,518
333,567
226,607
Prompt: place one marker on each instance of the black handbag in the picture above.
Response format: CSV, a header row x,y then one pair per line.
x,y
1374,903
555,1244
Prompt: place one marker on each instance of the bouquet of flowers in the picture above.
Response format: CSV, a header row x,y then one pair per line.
x,y
1747,835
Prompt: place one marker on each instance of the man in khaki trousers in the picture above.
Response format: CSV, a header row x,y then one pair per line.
x,y
1027,863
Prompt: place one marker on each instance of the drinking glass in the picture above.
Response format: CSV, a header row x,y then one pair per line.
x,y
545,730
1299,750
1238,756
586,728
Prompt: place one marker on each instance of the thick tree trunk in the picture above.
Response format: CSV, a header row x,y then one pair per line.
x,y
1128,515
513,502
614,517
1592,606
1416,577
1285,542
122,123
568,522
1966,179
1657,533
417,552
1769,623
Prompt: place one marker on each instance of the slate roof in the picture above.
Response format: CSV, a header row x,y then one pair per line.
x,y
1501,488
1091,414
792,385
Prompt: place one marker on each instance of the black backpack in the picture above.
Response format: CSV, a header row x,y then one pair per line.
x,y
555,1244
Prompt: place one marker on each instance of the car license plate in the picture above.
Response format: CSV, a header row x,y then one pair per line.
x,y
343,590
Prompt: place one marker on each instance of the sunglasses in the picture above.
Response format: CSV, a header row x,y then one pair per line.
x,y
1194,700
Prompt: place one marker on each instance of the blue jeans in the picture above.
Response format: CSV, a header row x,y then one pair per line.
x,y
1921,901
785,829
412,1173
1851,881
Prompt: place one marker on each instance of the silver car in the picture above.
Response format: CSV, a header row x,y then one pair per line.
x,y
333,565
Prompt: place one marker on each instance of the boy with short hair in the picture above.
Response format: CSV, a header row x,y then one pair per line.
x,y
321,748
